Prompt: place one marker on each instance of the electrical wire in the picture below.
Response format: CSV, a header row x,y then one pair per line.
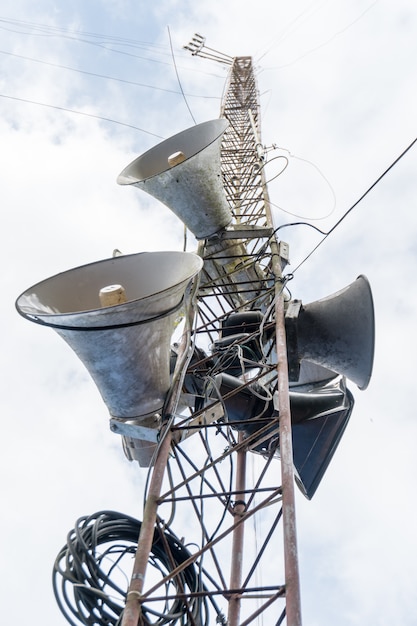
x,y
181,366
318,170
322,44
355,204
85,569
105,76
44,30
89,38
276,41
178,77
98,117
209,460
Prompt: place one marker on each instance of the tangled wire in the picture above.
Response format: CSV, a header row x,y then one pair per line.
x,y
90,585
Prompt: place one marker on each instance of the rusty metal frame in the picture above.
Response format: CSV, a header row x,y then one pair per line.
x,y
192,479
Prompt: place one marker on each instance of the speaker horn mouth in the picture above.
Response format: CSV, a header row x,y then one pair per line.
x,y
336,332
128,354
153,280
184,172
188,143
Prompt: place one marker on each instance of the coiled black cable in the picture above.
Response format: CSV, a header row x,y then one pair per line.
x,y
89,583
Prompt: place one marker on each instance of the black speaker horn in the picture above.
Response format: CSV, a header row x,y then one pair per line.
x,y
320,413
336,332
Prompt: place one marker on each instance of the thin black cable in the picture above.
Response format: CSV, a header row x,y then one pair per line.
x,y
49,31
321,45
178,78
356,203
79,36
98,117
105,76
85,568
321,174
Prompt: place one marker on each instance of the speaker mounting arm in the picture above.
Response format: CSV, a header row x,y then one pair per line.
x,y
291,320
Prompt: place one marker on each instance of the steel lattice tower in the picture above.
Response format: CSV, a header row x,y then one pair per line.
x,y
237,509
199,381
189,352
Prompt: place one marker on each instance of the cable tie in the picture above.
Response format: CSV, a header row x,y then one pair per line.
x,y
137,595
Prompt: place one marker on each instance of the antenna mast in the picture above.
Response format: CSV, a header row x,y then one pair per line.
x,y
252,376
241,288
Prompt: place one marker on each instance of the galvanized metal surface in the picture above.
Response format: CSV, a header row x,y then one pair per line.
x,y
192,189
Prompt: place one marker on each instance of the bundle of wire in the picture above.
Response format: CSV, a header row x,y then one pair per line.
x,y
90,586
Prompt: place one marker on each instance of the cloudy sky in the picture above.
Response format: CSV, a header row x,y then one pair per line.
x,y
87,86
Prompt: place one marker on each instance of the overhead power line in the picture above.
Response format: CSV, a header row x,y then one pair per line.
x,y
374,184
98,117
105,76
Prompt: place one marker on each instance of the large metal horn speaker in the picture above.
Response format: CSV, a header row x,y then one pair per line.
x,y
124,346
337,332
184,173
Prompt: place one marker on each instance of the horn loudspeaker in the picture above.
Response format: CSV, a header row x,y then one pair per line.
x,y
336,332
125,346
184,172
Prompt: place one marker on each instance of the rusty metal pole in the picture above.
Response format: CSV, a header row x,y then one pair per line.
x,y
133,610
292,579
133,607
239,510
